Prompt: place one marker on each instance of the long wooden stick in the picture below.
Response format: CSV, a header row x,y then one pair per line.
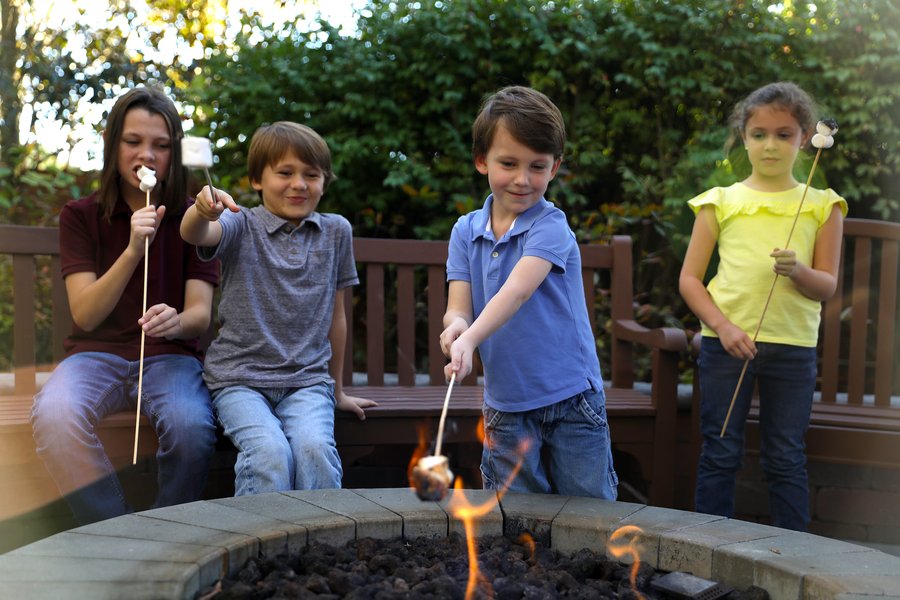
x,y
137,415
440,435
769,298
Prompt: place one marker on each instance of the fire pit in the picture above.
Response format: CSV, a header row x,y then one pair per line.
x,y
176,551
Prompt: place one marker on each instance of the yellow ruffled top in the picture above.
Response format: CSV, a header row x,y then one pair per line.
x,y
751,225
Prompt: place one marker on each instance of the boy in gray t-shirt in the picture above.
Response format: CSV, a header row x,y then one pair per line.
x,y
274,370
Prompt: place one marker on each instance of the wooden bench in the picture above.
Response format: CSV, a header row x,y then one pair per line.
x,y
392,357
856,413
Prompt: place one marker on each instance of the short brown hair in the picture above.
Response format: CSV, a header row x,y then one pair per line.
x,y
174,185
529,116
273,142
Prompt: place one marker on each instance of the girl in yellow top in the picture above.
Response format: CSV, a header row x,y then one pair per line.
x,y
747,220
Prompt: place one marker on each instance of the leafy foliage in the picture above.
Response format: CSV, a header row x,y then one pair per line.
x,y
645,86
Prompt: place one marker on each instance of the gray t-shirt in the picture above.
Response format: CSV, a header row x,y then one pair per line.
x,y
278,289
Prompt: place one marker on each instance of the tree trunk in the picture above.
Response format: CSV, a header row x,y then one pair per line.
x,y
10,103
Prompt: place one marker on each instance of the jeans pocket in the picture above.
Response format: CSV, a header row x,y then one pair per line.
x,y
592,408
492,417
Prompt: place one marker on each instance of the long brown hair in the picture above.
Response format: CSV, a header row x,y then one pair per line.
x,y
174,184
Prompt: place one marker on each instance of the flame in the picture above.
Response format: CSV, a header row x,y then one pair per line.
x,y
465,511
419,452
526,540
479,430
627,549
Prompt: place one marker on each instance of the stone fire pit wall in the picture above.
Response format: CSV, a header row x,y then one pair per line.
x,y
174,552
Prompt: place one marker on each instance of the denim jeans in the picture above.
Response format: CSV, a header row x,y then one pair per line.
x,y
573,436
284,437
787,377
90,385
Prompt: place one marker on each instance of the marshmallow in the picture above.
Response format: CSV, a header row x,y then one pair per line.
x,y
432,478
196,152
148,178
822,141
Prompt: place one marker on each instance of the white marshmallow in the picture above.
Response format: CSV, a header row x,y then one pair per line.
x,y
822,141
196,152
148,178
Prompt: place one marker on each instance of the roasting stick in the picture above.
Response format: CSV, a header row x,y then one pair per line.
x,y
148,182
432,476
821,140
440,434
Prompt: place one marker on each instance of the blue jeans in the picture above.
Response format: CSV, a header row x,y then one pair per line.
x,y
284,437
90,385
573,434
787,377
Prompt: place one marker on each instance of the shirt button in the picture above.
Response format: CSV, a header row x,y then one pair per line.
x,y
495,254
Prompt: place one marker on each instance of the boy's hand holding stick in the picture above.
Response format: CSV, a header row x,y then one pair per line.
x,y
822,139
432,476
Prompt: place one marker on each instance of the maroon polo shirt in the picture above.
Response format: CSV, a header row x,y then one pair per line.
x,y
88,242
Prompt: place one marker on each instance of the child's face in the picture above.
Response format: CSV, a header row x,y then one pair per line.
x,y
290,188
145,142
773,138
518,176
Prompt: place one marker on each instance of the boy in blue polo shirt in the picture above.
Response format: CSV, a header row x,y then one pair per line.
x,y
516,294
274,370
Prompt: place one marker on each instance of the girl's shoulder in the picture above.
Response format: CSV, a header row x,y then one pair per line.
x,y
739,199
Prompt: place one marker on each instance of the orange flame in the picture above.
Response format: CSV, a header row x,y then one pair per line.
x,y
465,511
627,549
526,540
479,430
419,452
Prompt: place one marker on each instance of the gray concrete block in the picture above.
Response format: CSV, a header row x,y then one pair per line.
x,y
420,518
587,523
238,548
183,578
93,590
732,562
690,549
271,533
372,520
483,504
530,513
651,522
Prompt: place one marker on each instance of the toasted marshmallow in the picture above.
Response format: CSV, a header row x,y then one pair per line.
x,y
196,152
148,178
432,478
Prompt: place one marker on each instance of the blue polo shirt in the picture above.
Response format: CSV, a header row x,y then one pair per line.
x,y
546,352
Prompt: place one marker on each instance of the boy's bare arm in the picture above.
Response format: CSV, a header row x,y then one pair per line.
x,y
525,278
337,335
200,226
458,315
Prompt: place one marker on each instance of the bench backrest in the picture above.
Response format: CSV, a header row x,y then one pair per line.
x,y
859,341
403,286
24,245
404,283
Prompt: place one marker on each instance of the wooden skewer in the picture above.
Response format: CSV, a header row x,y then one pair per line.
x,y
137,415
440,435
737,388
